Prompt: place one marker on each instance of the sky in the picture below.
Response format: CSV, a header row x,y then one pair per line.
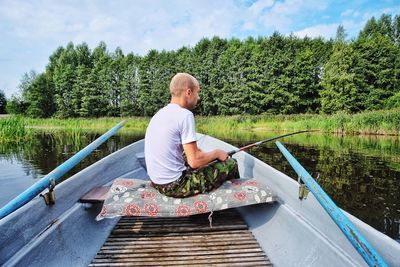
x,y
31,30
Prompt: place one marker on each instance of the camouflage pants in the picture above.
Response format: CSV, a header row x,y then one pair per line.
x,y
201,180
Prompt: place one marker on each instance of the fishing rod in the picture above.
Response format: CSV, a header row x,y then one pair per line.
x,y
230,153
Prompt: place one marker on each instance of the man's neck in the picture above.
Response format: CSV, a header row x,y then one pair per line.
x,y
179,101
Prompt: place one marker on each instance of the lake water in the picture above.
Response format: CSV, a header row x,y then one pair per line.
x,y
361,173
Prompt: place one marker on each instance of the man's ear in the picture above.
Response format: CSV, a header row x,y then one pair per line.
x,y
189,91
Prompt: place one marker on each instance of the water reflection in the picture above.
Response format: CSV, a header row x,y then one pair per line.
x,y
361,174
23,164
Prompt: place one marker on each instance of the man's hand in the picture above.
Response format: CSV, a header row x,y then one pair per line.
x,y
197,158
221,155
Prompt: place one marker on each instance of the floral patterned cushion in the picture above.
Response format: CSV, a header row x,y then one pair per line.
x,y
134,197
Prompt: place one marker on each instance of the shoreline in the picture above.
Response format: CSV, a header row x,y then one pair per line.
x,y
370,123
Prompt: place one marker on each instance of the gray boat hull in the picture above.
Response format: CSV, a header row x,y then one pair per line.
x,y
291,232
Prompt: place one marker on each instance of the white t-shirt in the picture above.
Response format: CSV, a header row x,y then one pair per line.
x,y
170,128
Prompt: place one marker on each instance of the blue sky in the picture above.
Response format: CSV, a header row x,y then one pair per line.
x,y
31,30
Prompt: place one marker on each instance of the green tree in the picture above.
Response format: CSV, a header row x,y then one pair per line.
x,y
80,83
3,102
239,81
370,29
385,27
393,101
83,55
340,91
39,97
183,61
26,81
53,59
341,34
96,92
16,105
377,69
130,86
256,79
155,76
396,30
279,96
148,73
248,85
116,77
229,100
205,55
306,82
79,88
63,78
276,74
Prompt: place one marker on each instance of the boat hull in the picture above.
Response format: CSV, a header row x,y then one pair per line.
x,y
291,232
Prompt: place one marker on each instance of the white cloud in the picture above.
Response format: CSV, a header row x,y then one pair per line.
x,y
248,26
377,13
32,30
322,30
39,20
102,23
283,16
350,13
347,12
258,6
137,26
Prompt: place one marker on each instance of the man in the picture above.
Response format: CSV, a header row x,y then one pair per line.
x,y
170,133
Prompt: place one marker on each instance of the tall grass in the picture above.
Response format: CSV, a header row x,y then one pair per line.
x,y
13,129
382,122
133,124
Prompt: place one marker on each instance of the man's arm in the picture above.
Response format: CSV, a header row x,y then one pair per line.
x,y
197,158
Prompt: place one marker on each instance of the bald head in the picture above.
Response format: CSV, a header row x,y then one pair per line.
x,y
180,82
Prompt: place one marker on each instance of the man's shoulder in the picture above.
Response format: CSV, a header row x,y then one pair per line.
x,y
175,109
171,115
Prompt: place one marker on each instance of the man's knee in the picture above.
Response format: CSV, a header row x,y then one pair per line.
x,y
231,164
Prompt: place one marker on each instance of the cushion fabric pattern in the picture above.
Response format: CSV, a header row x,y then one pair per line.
x,y
135,197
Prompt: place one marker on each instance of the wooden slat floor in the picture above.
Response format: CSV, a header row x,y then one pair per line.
x,y
182,241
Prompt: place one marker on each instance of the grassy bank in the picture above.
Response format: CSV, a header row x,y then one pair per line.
x,y
386,122
98,125
12,129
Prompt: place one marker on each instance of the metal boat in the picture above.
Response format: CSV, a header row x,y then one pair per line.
x,y
292,232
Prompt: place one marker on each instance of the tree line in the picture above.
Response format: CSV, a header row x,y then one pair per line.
x,y
3,102
272,75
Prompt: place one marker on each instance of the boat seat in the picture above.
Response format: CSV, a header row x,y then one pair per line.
x,y
97,195
136,197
